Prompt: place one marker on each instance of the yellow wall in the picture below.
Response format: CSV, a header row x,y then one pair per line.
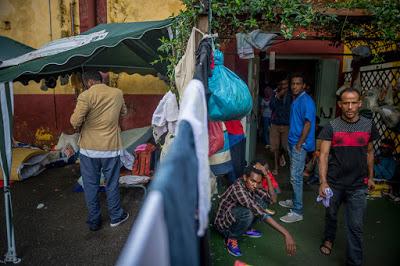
x,y
30,20
347,58
140,10
29,23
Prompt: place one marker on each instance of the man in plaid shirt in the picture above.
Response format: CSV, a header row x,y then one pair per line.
x,y
243,204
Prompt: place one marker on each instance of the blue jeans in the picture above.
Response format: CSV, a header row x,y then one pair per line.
x,y
297,162
266,125
312,168
356,204
90,171
245,220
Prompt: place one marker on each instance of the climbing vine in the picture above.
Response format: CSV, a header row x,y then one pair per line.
x,y
291,19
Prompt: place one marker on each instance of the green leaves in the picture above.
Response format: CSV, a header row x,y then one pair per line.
x,y
293,18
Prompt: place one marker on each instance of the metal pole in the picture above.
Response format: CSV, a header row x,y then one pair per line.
x,y
11,255
249,118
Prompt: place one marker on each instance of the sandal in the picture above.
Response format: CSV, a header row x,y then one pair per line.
x,y
324,249
282,161
270,212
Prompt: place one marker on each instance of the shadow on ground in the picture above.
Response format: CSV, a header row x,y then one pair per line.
x,y
57,233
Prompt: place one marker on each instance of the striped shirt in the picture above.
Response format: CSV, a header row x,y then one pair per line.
x,y
347,164
238,195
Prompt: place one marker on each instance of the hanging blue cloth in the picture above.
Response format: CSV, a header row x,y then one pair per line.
x,y
230,97
178,185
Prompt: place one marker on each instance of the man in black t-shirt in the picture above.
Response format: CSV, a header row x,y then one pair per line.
x,y
346,167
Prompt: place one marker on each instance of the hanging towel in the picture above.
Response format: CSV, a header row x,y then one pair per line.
x,y
165,116
244,48
194,111
258,39
184,70
176,179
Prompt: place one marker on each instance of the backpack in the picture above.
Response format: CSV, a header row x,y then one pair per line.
x,y
143,160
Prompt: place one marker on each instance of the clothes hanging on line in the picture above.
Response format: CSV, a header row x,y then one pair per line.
x,y
246,42
184,70
203,63
149,236
194,111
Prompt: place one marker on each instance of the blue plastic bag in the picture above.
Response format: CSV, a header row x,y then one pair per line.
x,y
230,97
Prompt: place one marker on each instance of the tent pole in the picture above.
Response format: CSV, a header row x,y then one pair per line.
x,y
6,117
11,255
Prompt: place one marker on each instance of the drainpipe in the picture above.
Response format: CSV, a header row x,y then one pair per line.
x,y
51,28
87,14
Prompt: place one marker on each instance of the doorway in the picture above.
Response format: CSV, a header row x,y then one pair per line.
x,y
321,76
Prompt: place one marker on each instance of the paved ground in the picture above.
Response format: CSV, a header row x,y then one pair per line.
x,y
57,233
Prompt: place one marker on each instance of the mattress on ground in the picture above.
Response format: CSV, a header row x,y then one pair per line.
x,y
26,162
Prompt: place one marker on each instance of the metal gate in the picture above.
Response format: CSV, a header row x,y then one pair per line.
x,y
380,76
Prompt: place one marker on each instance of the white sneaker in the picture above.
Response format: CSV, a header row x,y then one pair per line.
x,y
291,217
124,217
286,203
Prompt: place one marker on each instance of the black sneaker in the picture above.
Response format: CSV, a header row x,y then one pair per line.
x,y
124,217
95,227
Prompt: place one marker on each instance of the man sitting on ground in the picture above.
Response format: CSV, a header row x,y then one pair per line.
x,y
385,164
241,206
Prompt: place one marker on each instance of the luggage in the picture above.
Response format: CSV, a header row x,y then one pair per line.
x,y
143,160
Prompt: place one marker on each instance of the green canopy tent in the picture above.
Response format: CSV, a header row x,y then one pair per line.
x,y
116,47
11,48
126,47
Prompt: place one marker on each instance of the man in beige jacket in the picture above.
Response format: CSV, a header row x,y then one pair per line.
x,y
96,116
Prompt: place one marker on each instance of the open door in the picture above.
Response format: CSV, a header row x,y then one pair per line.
x,y
252,118
326,86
